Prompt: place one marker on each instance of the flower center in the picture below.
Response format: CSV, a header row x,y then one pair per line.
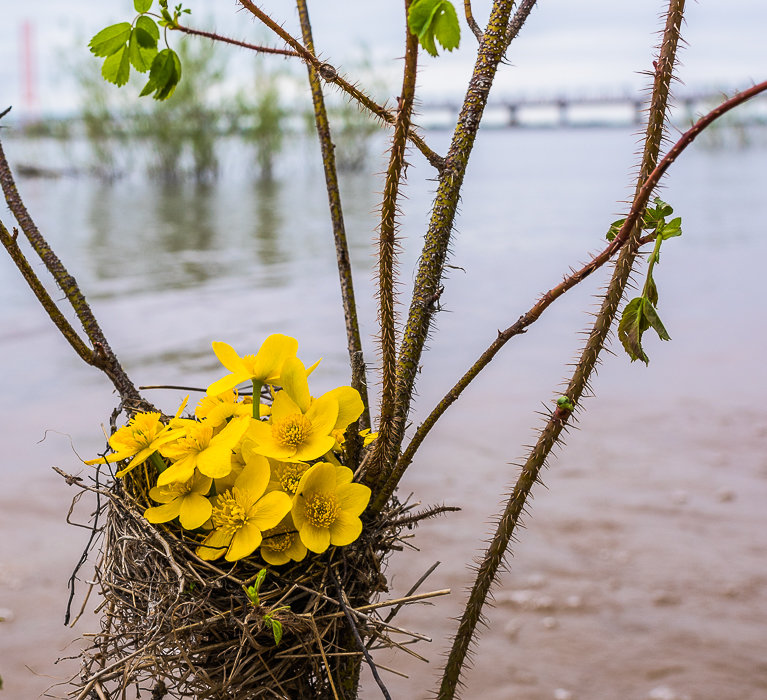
x,y
280,542
144,428
229,515
322,509
197,440
292,430
290,475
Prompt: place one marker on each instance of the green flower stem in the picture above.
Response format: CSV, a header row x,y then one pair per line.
x,y
549,436
353,339
157,462
257,398
651,264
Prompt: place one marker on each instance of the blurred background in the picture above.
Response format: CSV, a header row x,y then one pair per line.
x,y
641,575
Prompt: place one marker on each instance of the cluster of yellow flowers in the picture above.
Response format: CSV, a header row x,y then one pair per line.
x,y
250,474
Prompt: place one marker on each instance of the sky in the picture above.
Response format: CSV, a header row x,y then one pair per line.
x,y
567,47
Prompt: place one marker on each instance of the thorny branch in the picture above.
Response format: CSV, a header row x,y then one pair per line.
x,y
102,355
550,434
328,73
536,311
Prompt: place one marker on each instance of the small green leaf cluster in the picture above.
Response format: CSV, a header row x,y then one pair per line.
x,y
134,44
653,221
269,620
641,313
432,21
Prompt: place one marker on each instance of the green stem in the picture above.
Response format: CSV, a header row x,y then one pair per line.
x,y
257,398
157,462
651,264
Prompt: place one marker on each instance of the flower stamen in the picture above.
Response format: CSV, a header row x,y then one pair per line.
x,y
322,509
292,431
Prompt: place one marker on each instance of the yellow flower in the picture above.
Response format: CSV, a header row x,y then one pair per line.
x,y
264,367
144,435
185,501
219,408
327,507
225,483
211,454
294,436
301,427
282,544
242,514
286,476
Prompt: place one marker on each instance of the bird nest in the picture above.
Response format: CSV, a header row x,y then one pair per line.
x,y
176,625
237,557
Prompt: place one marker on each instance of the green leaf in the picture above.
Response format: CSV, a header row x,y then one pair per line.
x,y
434,19
651,314
142,6
639,315
631,327
149,32
164,75
116,68
614,229
446,27
111,39
651,291
672,229
276,630
141,56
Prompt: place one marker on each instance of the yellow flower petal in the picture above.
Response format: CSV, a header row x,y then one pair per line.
x,y
254,476
270,509
345,529
316,539
271,356
284,406
214,545
226,383
273,557
244,542
313,448
353,498
215,461
183,470
319,478
350,406
164,513
323,414
194,511
294,383
227,356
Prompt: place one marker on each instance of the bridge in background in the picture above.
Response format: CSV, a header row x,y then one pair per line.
x,y
591,110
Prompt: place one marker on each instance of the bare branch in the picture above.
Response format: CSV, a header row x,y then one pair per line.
x,y
353,340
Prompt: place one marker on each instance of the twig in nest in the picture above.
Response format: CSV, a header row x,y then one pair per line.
x,y
345,605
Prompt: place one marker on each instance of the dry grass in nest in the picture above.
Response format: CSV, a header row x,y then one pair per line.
x,y
174,625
